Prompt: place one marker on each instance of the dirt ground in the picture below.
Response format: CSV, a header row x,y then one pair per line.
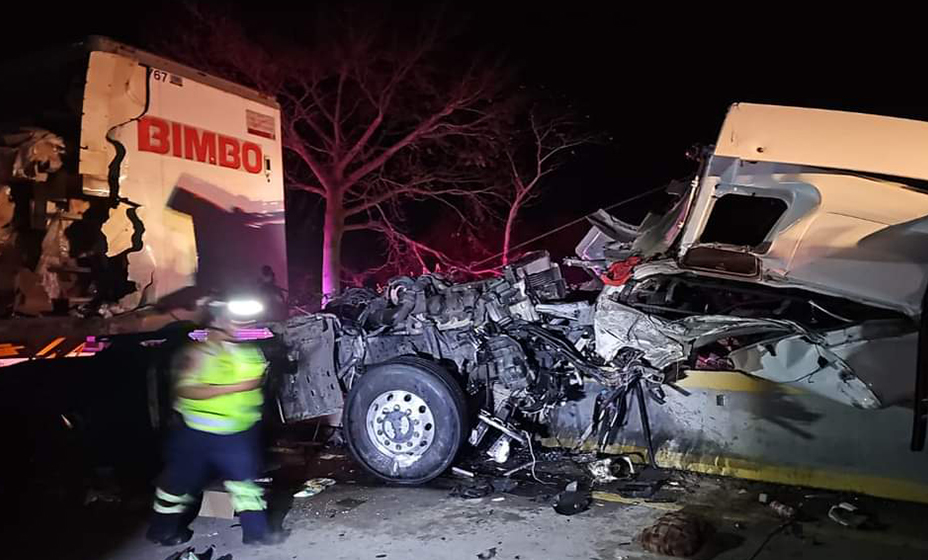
x,y
359,518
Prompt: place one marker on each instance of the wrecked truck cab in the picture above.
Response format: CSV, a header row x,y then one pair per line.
x,y
801,267
796,218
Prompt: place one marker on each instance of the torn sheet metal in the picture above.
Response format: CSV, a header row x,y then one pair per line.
x,y
806,363
579,311
663,342
607,231
618,326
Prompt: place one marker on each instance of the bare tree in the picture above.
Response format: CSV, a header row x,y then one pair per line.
x,y
551,141
375,117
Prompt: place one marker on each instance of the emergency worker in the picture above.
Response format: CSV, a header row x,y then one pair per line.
x,y
218,398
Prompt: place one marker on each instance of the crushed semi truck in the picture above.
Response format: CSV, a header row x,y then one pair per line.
x,y
788,277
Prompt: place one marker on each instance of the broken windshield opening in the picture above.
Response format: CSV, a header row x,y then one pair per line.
x,y
742,220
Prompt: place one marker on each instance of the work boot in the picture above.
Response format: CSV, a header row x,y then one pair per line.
x,y
270,538
177,538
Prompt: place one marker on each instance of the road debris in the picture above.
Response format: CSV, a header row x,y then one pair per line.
x,y
462,472
479,487
783,510
314,486
572,500
847,515
190,553
676,534
487,554
602,471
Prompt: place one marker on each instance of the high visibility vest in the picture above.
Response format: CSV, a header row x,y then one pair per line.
x,y
226,364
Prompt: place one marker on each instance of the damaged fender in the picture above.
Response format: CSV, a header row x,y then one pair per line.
x,y
799,360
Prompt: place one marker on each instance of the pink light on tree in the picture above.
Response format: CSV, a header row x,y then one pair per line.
x,y
377,116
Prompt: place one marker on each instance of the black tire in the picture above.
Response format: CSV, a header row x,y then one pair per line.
x,y
441,393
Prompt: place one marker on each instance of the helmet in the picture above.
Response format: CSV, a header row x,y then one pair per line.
x,y
236,310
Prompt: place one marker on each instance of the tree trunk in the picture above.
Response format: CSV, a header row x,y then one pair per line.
x,y
332,233
507,233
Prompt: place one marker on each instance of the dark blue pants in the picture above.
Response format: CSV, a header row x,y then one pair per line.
x,y
193,459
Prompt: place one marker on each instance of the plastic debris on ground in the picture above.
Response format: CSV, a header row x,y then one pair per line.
x,y
677,534
847,515
190,553
783,510
573,500
314,486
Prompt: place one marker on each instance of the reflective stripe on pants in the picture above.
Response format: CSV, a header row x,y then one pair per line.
x,y
246,495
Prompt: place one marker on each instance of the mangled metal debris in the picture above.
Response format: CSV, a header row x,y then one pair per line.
x,y
768,269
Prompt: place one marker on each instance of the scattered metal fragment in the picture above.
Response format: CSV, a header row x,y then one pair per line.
x,y
462,472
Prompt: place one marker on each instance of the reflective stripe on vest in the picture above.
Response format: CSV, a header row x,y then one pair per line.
x,y
208,423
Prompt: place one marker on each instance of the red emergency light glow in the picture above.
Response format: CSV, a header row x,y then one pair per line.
x,y
161,136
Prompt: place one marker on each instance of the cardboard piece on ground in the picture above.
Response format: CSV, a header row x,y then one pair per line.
x,y
217,504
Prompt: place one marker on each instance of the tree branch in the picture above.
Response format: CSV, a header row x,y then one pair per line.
x,y
408,139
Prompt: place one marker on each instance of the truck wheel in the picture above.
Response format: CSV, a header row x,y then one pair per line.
x,y
405,420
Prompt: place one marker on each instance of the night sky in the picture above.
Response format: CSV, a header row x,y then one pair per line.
x,y
654,83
